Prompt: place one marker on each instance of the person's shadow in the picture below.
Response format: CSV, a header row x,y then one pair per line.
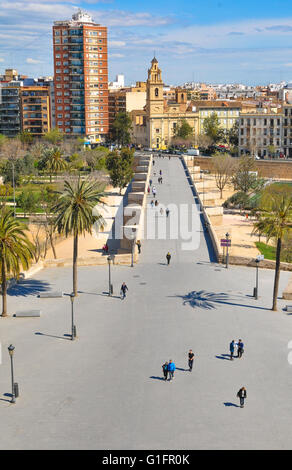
x,y
228,403
224,356
157,378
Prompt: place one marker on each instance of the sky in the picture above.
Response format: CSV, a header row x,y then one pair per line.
x,y
211,41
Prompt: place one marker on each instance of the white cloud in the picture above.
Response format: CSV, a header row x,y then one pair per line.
x,y
29,60
116,55
116,43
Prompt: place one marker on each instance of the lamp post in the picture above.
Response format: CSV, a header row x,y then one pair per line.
x,y
11,352
110,287
73,327
13,184
227,250
256,289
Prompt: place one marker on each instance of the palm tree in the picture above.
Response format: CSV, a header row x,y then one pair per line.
x,y
16,251
274,221
74,213
55,161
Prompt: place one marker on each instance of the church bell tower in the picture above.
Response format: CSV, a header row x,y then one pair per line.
x,y
154,88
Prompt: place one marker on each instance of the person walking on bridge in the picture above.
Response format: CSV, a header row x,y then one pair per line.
x,y
168,257
124,289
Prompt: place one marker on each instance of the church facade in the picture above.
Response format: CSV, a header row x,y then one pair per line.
x,y
155,125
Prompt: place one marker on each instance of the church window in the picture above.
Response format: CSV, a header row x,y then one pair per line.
x,y
156,92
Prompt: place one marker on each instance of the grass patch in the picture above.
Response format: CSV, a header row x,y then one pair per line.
x,y
268,251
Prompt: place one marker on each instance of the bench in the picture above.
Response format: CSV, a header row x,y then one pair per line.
x,y
27,313
289,308
50,295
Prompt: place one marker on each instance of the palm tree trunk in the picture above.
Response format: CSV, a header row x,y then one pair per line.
x,y
75,257
4,290
277,273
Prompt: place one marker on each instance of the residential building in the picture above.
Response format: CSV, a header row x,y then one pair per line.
x,y
81,77
260,132
10,108
287,130
35,109
125,100
119,83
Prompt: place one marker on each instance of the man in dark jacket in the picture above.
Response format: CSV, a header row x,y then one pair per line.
x,y
231,349
168,257
165,370
124,289
242,396
240,348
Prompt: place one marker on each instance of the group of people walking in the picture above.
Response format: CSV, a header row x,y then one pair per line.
x,y
168,368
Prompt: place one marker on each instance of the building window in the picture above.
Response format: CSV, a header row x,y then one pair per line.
x,y
156,92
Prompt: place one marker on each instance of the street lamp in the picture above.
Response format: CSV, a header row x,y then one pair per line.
x,y
14,386
133,246
110,287
73,327
13,184
227,251
257,261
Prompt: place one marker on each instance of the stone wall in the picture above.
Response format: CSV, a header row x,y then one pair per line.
x,y
266,168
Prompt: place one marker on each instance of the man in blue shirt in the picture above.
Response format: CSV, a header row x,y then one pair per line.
x,y
231,349
171,369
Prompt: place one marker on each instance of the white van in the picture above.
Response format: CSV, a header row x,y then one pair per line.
x,y
195,152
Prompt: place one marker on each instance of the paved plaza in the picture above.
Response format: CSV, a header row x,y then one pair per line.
x,y
105,390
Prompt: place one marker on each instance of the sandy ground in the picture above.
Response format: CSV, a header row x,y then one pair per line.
x,y
239,228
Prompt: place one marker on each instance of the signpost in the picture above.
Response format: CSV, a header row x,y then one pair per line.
x,y
226,242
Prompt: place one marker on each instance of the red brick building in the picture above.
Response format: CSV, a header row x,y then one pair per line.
x,y
81,77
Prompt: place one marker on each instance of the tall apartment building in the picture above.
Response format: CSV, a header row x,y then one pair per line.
x,y
81,77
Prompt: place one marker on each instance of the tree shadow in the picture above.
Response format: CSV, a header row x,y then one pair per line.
x,y
208,300
27,287
231,404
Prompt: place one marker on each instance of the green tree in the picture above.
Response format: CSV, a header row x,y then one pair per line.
x,y
212,128
54,136
272,151
96,158
28,201
184,130
120,167
53,162
75,215
16,251
121,128
233,135
25,137
275,221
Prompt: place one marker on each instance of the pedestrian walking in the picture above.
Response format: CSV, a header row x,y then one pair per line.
x,y
148,189
167,212
160,172
165,370
153,162
124,289
161,180
171,369
231,349
154,191
152,203
168,257
150,182
156,203
242,396
138,243
240,348
191,360
161,211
